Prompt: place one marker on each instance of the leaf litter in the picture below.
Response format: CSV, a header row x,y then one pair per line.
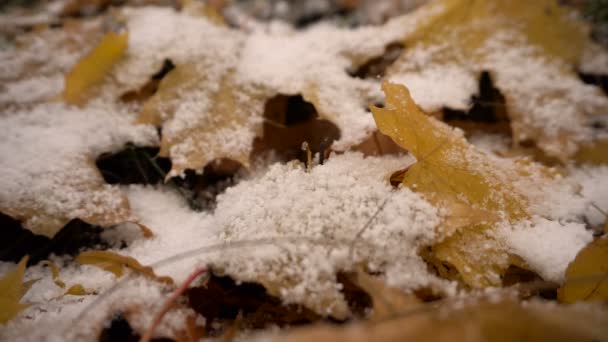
x,y
306,225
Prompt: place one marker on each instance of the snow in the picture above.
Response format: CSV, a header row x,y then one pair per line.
x,y
331,203
434,88
594,182
543,98
45,160
546,246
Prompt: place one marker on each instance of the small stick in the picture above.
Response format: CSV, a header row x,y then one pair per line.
x,y
170,302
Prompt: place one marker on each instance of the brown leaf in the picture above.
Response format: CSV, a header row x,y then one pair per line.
x,y
388,302
503,320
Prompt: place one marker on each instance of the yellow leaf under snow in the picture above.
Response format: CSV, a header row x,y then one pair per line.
x,y
454,175
103,205
93,68
528,47
12,289
116,263
202,123
587,275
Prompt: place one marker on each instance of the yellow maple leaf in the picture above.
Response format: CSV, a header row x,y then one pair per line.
x,y
458,178
12,289
446,163
528,47
587,275
91,70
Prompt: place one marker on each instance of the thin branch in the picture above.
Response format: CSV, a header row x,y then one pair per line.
x,y
171,302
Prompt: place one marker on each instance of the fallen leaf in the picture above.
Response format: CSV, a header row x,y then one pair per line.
x,y
594,153
83,195
388,302
221,83
587,275
116,263
78,290
502,320
55,272
222,125
93,68
473,188
12,289
446,163
528,47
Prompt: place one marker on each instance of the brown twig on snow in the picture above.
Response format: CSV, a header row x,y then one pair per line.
x,y
170,302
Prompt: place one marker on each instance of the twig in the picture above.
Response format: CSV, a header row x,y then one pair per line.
x,y
170,302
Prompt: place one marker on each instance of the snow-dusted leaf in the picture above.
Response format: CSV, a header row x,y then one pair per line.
x,y
530,49
33,70
202,123
93,68
455,176
12,289
221,70
587,275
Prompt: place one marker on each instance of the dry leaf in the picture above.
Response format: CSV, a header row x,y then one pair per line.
x,y
528,47
83,195
12,289
587,275
93,68
221,82
54,271
222,125
74,290
472,187
502,320
388,302
594,153
78,290
116,263
446,163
